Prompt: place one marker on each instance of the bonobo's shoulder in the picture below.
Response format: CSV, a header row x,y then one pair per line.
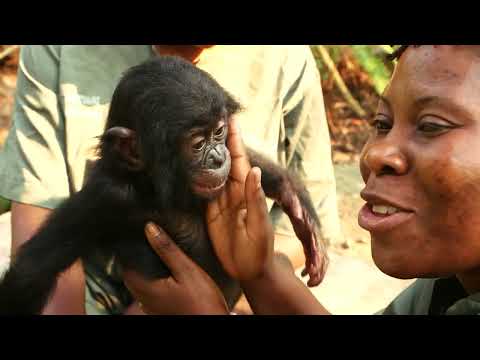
x,y
414,300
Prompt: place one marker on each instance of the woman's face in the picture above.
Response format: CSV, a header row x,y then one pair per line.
x,y
421,166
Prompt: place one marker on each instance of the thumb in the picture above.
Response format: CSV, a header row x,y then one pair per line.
x,y
258,220
174,258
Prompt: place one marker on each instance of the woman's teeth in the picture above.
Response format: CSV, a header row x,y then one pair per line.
x,y
384,210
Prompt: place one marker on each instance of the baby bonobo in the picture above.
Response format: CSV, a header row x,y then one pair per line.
x,y
163,156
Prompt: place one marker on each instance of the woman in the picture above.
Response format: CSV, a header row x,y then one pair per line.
x,y
422,190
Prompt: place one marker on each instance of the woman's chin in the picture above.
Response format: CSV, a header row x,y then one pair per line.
x,y
397,267
411,268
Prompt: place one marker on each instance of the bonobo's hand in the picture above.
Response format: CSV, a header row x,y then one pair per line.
x,y
188,291
304,226
238,222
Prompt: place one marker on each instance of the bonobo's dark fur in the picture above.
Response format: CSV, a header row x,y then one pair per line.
x,y
160,100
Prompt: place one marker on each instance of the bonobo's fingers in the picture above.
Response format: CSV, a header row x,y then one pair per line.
x,y
240,163
259,226
174,258
316,259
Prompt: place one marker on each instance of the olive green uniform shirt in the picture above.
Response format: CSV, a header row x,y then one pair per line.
x,y
63,96
434,297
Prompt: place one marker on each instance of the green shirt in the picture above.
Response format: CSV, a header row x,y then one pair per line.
x,y
434,297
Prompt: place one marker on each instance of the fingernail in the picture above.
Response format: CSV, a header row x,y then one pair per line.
x,y
157,234
153,230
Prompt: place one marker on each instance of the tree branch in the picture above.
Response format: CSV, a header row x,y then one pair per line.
x,y
327,60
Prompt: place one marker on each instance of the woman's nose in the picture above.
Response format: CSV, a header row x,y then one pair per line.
x,y
385,158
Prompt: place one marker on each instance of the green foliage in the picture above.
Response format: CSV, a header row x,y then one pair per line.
x,y
370,58
335,52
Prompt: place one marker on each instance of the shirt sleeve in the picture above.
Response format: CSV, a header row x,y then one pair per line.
x,y
32,162
307,145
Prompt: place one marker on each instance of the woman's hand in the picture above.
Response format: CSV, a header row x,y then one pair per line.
x,y
188,291
238,221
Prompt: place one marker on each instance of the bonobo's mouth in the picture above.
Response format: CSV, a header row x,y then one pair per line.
x,y
209,183
208,190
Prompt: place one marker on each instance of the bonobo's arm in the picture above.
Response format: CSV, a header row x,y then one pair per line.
x,y
36,274
293,197
69,295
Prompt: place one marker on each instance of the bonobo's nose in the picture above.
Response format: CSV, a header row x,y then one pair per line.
x,y
215,159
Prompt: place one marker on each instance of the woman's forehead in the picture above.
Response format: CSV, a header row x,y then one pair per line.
x,y
445,71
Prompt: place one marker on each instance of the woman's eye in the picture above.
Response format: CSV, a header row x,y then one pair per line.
x,y
382,125
433,126
430,127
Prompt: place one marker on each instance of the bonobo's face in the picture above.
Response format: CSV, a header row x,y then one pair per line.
x,y
207,158
168,121
421,166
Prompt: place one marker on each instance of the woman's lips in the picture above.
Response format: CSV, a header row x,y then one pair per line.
x,y
382,218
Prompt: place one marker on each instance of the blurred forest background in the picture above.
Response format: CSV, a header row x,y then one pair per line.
x,y
352,78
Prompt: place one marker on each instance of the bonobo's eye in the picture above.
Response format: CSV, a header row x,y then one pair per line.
x,y
220,132
198,144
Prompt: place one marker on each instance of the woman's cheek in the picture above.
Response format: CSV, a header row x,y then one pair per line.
x,y
451,185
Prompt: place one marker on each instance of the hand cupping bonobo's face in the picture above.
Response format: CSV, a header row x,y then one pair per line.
x,y
207,158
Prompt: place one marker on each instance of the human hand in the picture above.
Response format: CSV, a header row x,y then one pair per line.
x,y
238,222
188,291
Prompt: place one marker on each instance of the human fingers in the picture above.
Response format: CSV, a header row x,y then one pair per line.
x,y
257,221
179,264
240,163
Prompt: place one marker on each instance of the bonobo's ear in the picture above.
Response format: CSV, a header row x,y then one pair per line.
x,y
124,142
